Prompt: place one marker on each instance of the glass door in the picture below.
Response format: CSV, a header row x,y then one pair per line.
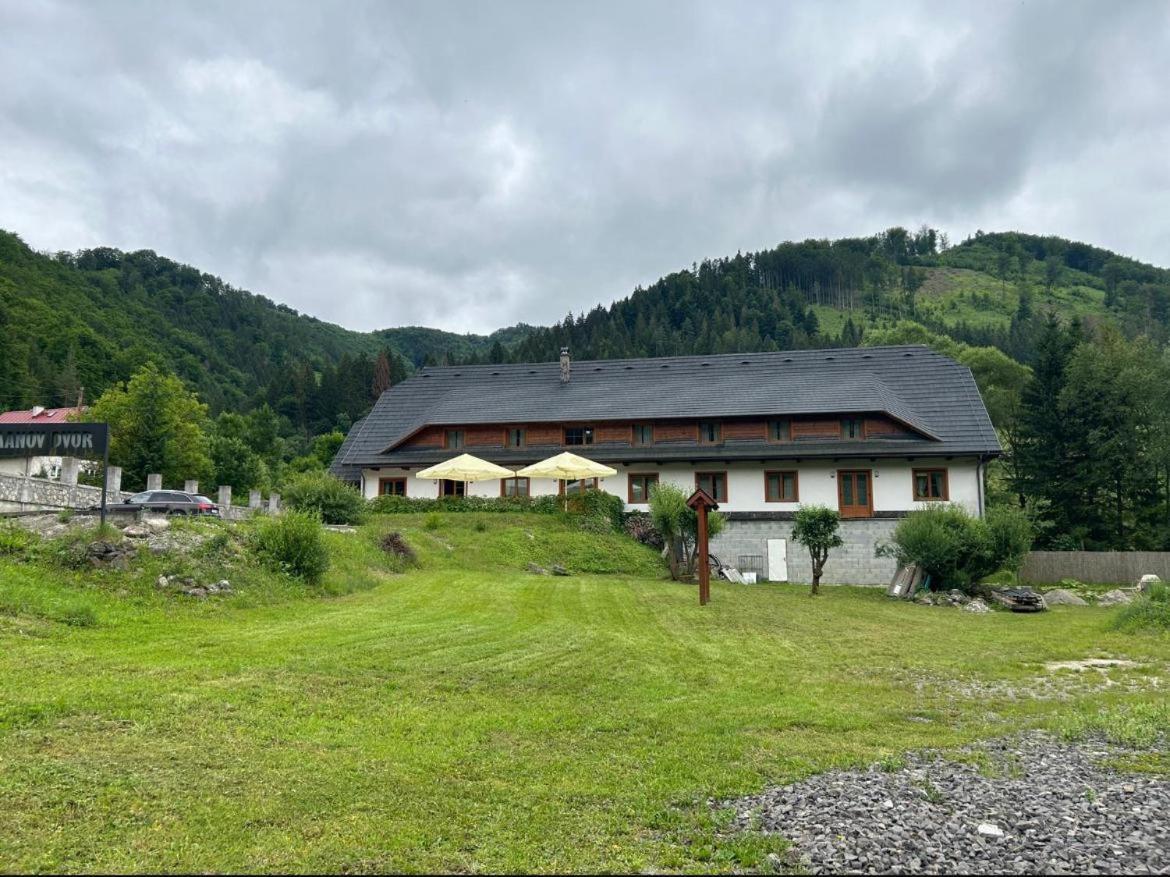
x,y
855,493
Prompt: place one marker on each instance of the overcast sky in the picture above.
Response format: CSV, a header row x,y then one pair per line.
x,y
471,165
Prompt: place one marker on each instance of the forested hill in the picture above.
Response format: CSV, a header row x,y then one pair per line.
x,y
88,319
990,290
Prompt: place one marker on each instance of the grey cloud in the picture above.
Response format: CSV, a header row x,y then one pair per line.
x,y
468,166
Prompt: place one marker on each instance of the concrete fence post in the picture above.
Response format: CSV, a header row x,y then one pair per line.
x,y
154,482
254,500
113,483
190,486
225,498
273,503
70,466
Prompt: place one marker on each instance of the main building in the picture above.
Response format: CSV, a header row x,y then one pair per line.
x,y
872,432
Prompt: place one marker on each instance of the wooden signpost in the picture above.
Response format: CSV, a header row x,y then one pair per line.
x,y
702,502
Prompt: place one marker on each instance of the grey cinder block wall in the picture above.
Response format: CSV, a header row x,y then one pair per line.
x,y
854,563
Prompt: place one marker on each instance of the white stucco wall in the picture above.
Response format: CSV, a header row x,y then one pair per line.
x,y
892,483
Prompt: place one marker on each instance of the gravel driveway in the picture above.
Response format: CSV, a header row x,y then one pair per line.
x,y
1030,805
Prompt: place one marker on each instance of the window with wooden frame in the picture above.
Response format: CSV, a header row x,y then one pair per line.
x,y
639,489
392,487
453,439
515,437
518,486
853,428
781,486
714,483
780,430
930,485
576,488
643,434
710,432
447,487
578,435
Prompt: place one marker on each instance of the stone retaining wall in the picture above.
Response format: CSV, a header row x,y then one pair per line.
x,y
854,563
18,493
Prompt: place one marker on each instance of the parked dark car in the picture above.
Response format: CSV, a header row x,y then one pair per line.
x,y
168,502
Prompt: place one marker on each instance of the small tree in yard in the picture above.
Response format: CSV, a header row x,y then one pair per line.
x,y
816,529
678,524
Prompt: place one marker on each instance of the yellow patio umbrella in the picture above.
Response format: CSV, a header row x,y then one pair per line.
x,y
465,468
566,467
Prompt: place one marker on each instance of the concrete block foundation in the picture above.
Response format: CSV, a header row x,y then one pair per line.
x,y
853,563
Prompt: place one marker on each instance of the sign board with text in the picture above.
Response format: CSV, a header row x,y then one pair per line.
x,y
54,440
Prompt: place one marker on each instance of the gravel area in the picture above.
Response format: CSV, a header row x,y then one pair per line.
x,y
1028,805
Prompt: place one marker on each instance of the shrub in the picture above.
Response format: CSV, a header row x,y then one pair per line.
x,y
639,527
433,521
956,549
334,501
600,512
1011,532
409,505
1149,612
394,544
292,543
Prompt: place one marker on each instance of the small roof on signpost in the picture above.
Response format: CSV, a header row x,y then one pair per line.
x,y
701,498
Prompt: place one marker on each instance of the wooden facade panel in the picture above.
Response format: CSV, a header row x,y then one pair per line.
x,y
884,426
744,431
543,435
819,428
431,437
484,437
676,432
614,433
665,432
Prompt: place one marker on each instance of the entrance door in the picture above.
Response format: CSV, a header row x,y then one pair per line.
x,y
855,493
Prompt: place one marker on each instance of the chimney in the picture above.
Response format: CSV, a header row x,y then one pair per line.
x,y
566,365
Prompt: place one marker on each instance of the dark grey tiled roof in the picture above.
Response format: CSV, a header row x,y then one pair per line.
x,y
338,467
929,392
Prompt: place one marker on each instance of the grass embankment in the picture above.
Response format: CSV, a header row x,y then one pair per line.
x,y
465,715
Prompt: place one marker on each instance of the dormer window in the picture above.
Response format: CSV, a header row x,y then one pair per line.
x,y
780,430
710,432
453,439
578,435
852,428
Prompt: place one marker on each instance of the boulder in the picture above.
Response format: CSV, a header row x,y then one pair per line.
x,y
1062,597
558,570
535,569
976,605
157,524
1113,598
136,531
1148,581
162,583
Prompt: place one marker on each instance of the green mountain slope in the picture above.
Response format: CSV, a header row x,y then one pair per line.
x,y
88,319
990,290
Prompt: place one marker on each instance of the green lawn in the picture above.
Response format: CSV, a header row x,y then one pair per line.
x,y
469,716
